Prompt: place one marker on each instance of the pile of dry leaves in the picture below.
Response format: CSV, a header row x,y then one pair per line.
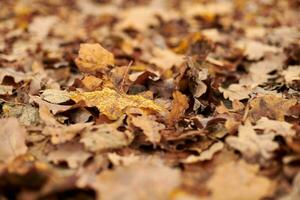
x,y
150,99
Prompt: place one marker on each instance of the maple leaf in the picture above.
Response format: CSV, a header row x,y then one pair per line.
x,y
238,180
113,104
93,58
12,139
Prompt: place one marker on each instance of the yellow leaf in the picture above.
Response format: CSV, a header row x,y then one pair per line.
x,y
93,58
113,104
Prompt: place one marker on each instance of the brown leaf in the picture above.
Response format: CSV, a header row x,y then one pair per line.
x,y
142,180
105,137
12,139
238,180
250,144
236,92
180,104
206,154
270,106
71,153
93,58
150,127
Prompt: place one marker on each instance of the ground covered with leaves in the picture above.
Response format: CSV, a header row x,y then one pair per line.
x,y
150,99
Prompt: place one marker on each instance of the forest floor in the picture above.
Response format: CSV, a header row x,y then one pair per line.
x,y
149,99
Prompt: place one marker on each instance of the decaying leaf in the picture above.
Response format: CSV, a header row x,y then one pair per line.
x,y
112,103
180,104
256,50
165,59
71,153
149,126
138,181
92,82
105,137
236,92
275,127
61,134
270,106
205,155
12,139
26,114
295,193
55,96
250,144
292,74
238,180
118,160
93,58
6,89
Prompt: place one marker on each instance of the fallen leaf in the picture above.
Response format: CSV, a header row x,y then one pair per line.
x,y
165,59
92,82
112,103
254,50
238,180
252,145
206,154
138,18
41,26
270,106
292,73
276,127
105,137
180,104
118,160
12,139
55,108
236,92
71,153
295,193
138,181
6,89
60,134
55,96
93,58
26,114
149,126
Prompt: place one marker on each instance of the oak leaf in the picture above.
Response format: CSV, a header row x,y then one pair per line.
x,y
252,145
